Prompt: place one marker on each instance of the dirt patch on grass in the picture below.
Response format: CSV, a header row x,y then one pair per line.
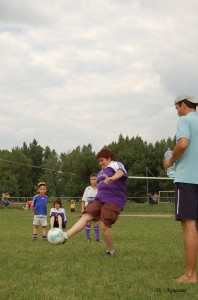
x,y
149,216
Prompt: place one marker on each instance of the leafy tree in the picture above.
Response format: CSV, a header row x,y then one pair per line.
x,y
68,174
51,171
15,172
77,166
35,153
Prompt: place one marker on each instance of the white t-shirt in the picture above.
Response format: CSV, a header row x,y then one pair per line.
x,y
61,211
89,194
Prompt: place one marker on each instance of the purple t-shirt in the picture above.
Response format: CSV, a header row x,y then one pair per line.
x,y
114,192
58,212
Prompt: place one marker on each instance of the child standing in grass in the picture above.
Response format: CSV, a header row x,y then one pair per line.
x,y
88,196
40,211
57,215
73,205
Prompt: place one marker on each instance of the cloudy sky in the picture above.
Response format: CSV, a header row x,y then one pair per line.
x,y
74,72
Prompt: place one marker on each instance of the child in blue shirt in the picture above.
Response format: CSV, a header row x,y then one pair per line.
x,y
40,211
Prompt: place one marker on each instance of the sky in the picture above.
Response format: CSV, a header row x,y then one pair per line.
x,y
74,72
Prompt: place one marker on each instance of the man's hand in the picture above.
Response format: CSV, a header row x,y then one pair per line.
x,y
167,164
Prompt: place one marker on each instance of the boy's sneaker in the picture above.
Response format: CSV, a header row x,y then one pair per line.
x,y
99,240
88,240
109,253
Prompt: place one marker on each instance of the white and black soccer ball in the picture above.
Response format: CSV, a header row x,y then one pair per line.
x,y
55,236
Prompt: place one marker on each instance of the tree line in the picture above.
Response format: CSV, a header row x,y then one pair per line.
x,y
67,174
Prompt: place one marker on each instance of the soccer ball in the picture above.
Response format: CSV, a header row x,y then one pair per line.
x,y
55,236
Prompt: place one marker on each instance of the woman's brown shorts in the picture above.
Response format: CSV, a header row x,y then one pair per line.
x,y
106,212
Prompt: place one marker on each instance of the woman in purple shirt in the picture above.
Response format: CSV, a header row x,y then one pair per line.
x,y
109,201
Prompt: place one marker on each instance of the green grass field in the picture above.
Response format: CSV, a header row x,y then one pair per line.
x,y
149,255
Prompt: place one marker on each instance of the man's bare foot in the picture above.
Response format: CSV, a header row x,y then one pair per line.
x,y
185,278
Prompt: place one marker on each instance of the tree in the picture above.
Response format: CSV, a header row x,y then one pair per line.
x,y
35,153
68,174
77,166
51,173
15,172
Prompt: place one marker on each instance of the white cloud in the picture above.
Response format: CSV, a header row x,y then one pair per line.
x,y
84,71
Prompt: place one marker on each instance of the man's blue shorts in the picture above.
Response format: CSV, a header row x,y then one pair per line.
x,y
186,201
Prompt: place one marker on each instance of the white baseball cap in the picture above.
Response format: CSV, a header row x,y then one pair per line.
x,y
186,96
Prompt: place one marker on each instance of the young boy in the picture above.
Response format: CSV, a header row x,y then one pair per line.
x,y
40,211
88,196
72,205
57,215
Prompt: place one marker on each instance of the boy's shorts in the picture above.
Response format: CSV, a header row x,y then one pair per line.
x,y
40,220
106,212
186,201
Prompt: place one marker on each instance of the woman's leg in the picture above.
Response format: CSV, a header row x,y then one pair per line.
x,y
108,236
79,225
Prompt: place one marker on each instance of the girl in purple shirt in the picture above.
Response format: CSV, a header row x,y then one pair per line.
x,y
58,215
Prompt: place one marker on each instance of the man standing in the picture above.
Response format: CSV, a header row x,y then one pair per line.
x,y
186,180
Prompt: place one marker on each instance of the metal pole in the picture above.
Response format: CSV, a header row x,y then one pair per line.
x,y
155,178
147,186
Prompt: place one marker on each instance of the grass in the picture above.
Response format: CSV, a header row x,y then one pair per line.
x,y
149,255
144,208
